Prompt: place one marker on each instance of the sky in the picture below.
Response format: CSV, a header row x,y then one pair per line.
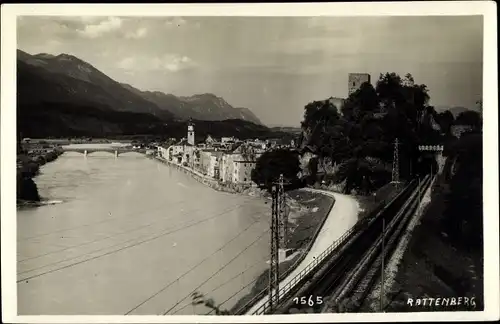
x,y
271,65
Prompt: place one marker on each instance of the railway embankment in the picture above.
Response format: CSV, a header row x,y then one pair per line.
x,y
443,257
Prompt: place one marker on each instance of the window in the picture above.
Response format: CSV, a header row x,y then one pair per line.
x,y
354,84
245,179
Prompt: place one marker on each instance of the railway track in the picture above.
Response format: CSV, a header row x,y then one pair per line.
x,y
350,271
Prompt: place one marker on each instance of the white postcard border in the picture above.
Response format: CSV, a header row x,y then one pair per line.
x,y
490,146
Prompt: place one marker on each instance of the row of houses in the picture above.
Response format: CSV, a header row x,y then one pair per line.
x,y
227,159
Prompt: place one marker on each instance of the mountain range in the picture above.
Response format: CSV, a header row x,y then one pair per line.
x,y
64,96
205,106
67,79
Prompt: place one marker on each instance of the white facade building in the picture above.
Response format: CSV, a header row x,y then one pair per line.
x,y
243,171
225,140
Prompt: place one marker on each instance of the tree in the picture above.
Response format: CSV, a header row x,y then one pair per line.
x,y
464,211
469,118
318,116
361,140
445,120
271,164
361,103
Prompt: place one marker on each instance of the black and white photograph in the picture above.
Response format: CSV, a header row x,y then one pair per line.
x,y
225,165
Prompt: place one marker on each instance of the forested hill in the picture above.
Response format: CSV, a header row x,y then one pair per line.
x,y
52,119
67,79
357,143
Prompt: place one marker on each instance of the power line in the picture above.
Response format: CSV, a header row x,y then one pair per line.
x,y
228,281
128,246
253,299
239,274
245,286
109,246
104,238
95,223
218,271
191,269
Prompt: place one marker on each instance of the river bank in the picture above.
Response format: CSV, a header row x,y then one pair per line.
x,y
179,234
245,189
28,167
307,210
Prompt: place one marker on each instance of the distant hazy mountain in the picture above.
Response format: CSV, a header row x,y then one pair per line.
x,y
65,96
201,106
454,110
66,78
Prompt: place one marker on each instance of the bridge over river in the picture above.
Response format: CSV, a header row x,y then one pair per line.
x,y
115,150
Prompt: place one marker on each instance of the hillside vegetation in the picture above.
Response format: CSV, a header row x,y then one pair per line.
x,y
53,119
356,144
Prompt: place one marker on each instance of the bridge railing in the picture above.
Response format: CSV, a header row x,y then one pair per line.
x,y
117,150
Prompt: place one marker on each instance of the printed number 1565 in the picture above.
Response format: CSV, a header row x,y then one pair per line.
x,y
308,301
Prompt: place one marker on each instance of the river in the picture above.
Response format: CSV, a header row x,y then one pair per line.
x,y
130,235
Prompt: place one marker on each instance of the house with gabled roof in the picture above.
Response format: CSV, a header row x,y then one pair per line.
x,y
210,140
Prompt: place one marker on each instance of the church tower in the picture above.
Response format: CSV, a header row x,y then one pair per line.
x,y
190,135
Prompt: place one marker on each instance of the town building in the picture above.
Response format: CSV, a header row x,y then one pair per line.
x,y
226,140
228,161
205,157
210,140
243,171
214,165
236,166
177,152
183,152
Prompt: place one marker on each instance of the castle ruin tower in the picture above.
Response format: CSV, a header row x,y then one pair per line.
x,y
190,135
356,80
